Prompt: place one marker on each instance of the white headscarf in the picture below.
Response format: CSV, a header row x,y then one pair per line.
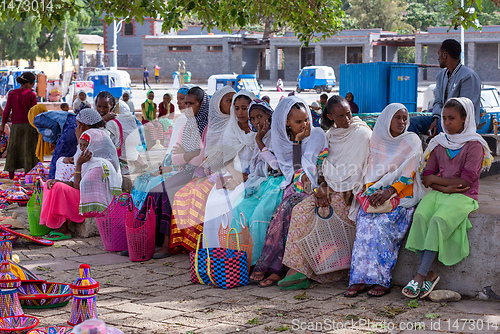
x,y
458,140
236,142
92,196
312,146
131,137
345,166
217,121
78,102
180,121
394,159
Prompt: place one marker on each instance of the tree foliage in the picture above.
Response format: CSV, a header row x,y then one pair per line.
x,y
385,14
29,40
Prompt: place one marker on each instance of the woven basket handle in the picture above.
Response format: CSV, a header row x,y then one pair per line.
x,y
150,203
222,221
243,219
208,261
129,202
122,196
330,213
237,238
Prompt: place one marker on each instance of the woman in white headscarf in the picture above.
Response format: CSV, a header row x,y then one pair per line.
x,y
236,151
343,170
453,162
97,179
392,171
81,102
188,209
299,148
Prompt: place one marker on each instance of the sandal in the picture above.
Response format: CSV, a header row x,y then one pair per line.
x,y
301,285
414,287
269,279
257,281
378,288
357,290
292,280
428,286
55,236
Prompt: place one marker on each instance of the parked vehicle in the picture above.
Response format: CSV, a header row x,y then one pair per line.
x,y
490,106
114,81
319,78
237,81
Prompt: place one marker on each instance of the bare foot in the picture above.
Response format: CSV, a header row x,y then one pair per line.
x,y
271,280
354,290
257,276
378,291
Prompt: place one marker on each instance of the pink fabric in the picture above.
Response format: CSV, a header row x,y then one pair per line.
x,y
465,165
59,204
178,159
19,103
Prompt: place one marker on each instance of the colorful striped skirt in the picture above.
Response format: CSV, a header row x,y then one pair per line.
x,y
188,213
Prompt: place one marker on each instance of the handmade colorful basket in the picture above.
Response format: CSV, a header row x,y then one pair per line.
x,y
17,324
44,295
7,236
51,330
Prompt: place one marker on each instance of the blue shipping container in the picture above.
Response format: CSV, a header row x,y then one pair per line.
x,y
404,85
371,85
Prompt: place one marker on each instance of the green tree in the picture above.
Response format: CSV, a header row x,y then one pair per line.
x,y
29,40
385,14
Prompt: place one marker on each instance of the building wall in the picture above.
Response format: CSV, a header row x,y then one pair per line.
x,y
333,57
291,63
486,63
199,62
250,61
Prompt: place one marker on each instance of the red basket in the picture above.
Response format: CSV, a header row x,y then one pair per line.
x,y
111,225
140,231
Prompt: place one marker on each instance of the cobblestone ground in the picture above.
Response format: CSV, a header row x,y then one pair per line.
x,y
157,297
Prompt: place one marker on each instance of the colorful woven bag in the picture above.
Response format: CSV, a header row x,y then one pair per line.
x,y
141,229
222,267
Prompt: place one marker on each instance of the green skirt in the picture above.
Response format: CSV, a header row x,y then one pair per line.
x,y
21,149
440,224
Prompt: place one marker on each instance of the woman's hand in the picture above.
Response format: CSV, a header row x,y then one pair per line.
x,y
245,177
178,149
69,160
378,198
50,183
456,188
304,134
306,183
108,117
2,129
163,170
323,201
262,130
428,180
231,184
86,156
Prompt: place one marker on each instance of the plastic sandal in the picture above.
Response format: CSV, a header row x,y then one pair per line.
x,y
357,290
428,286
378,288
292,280
55,236
414,287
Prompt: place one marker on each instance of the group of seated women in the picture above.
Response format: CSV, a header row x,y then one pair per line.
x,y
233,156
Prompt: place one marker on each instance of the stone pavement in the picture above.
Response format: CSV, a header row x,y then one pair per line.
x,y
157,297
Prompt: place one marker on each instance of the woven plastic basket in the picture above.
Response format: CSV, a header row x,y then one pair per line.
x,y
34,208
328,247
224,230
245,240
111,225
140,231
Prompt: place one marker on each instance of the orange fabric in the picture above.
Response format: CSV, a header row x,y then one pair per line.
x,y
404,190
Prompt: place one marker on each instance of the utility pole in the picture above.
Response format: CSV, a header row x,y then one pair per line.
x,y
64,44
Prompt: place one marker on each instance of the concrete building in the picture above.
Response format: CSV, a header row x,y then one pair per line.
x,y
482,50
129,41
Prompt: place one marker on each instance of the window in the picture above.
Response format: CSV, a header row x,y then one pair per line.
x,y
214,48
307,56
180,48
354,54
128,29
384,53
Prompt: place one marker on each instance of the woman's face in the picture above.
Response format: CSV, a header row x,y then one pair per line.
x,y
340,114
399,122
453,120
82,96
166,99
80,128
83,145
192,104
349,97
151,96
225,103
258,118
125,97
181,101
241,110
298,120
103,106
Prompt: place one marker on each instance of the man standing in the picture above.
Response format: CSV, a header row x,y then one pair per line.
x,y
145,79
10,82
455,80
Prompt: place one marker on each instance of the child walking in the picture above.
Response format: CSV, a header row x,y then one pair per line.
x,y
453,163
